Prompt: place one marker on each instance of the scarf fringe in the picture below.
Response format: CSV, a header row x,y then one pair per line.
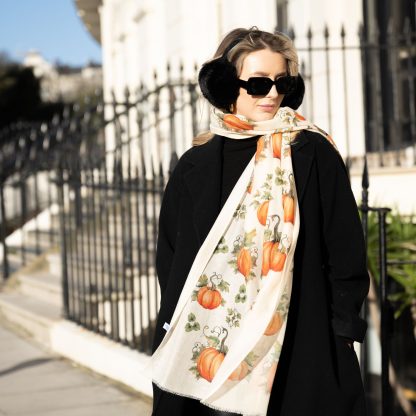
x,y
190,396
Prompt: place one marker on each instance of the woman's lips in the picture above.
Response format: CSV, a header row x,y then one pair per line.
x,y
267,108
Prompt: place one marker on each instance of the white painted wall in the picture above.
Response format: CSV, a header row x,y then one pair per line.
x,y
389,187
315,15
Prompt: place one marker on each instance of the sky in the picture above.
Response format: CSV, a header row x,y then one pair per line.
x,y
52,27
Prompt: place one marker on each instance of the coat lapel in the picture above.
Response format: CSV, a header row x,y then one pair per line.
x,y
302,157
204,185
203,180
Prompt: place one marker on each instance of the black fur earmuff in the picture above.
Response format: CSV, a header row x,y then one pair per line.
x,y
294,99
218,82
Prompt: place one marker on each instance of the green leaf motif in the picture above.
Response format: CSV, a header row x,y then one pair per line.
x,y
203,280
248,238
194,369
213,341
240,211
251,357
224,286
222,246
191,317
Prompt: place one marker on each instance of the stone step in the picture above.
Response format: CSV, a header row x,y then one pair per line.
x,y
15,261
31,315
42,285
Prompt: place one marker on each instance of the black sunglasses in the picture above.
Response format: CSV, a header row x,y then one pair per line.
x,y
262,85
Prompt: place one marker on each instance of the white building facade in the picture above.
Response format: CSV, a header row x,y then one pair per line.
x,y
141,37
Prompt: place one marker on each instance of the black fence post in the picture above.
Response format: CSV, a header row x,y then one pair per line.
x,y
3,226
385,319
24,217
364,311
64,249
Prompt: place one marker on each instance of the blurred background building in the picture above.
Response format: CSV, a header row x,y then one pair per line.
x,y
64,83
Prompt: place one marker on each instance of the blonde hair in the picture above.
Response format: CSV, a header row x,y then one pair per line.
x,y
252,40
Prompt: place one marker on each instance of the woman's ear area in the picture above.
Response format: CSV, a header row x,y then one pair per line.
x,y
294,99
219,83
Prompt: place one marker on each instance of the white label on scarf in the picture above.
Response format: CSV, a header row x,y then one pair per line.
x,y
166,326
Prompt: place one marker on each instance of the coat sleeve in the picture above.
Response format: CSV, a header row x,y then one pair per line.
x,y
344,243
168,226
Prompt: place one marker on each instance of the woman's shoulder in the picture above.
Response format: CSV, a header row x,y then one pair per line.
x,y
316,136
193,156
322,142
198,152
325,149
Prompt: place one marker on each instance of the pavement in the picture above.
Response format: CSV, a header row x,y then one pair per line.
x,y
35,382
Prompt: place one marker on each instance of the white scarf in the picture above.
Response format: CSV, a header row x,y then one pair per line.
x,y
223,343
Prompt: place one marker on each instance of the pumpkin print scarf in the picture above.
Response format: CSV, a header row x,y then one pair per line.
x,y
223,343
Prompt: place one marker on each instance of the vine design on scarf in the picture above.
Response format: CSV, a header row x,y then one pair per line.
x,y
208,292
221,246
233,317
208,357
274,253
280,176
244,254
289,202
240,211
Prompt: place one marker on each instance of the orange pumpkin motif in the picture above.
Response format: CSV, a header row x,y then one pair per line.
x,y
240,372
277,258
262,212
274,325
234,122
265,265
288,208
209,298
208,363
244,262
260,148
277,144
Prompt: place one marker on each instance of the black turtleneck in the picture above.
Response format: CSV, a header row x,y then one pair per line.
x,y
236,154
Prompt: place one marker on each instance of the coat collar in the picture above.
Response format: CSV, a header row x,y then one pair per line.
x,y
203,180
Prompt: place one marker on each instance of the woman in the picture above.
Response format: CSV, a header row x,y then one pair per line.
x,y
260,255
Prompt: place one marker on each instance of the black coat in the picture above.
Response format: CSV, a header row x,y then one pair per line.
x,y
318,373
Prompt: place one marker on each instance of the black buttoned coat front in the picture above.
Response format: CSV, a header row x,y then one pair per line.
x,y
318,374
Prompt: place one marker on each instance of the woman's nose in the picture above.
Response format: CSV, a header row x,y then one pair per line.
x,y
273,92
